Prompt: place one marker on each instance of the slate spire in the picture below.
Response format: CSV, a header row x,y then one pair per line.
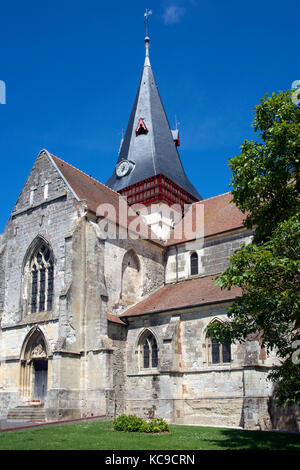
x,y
148,148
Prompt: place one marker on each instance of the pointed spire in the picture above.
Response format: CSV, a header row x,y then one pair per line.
x,y
148,148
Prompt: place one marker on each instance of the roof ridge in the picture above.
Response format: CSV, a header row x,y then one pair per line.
x,y
85,174
194,278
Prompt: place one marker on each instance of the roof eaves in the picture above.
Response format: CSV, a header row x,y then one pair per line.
x,y
176,309
116,319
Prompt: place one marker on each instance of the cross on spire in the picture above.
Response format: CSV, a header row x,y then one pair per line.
x,y
146,21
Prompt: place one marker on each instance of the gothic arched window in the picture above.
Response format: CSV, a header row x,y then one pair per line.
x,y
218,353
41,279
148,351
194,263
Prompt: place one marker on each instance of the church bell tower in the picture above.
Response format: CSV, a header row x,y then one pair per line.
x,y
149,170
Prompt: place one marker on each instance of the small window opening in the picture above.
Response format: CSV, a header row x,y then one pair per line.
x,y
194,264
141,128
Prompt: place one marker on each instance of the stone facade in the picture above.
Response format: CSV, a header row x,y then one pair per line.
x,y
187,388
89,350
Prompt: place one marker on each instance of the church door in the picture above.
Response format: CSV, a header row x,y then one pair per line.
x,y
40,379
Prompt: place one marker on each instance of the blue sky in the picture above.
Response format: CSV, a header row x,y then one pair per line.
x,y
72,70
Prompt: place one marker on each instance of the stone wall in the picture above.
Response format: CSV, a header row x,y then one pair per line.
x,y
40,214
186,388
213,255
118,335
2,274
151,274
49,218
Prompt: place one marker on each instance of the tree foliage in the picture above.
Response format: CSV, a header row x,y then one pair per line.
x,y
266,174
266,189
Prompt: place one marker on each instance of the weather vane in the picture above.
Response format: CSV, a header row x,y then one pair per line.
x,y
146,15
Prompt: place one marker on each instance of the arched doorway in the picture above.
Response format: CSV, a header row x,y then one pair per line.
x,y
34,367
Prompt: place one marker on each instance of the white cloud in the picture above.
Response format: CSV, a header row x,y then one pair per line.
x,y
173,14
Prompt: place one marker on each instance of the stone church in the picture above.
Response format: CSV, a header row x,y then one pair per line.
x,y
104,303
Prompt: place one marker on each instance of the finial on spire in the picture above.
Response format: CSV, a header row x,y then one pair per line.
x,y
147,39
146,21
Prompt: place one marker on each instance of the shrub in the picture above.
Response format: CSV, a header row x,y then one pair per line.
x,y
132,423
145,427
159,425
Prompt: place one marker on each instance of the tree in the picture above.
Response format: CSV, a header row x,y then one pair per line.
x,y
266,189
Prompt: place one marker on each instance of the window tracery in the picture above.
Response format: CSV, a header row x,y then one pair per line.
x,y
42,279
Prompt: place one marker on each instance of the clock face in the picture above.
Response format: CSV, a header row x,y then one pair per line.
x,y
122,168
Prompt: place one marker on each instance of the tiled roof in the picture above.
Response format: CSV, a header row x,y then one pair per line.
x,y
86,187
220,215
115,319
185,294
95,193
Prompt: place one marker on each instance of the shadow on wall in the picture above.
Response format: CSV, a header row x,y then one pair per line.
x,y
266,414
284,418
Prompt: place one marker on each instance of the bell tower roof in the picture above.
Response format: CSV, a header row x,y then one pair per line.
x,y
148,148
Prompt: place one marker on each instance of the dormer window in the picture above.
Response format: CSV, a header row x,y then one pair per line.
x,y
141,128
175,135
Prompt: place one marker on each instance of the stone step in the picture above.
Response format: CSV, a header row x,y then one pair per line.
x,y
28,413
24,415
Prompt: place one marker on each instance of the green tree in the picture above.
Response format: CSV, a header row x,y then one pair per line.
x,y
266,189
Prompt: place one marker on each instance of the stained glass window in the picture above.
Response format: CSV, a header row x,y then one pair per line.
x,y
226,352
215,351
149,352
42,279
34,281
146,352
220,352
50,286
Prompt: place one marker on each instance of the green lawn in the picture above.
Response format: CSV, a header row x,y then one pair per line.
x,y
100,436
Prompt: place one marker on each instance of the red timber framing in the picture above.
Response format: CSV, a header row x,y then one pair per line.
x,y
157,189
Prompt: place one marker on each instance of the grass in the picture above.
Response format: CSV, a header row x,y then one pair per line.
x,y
101,436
